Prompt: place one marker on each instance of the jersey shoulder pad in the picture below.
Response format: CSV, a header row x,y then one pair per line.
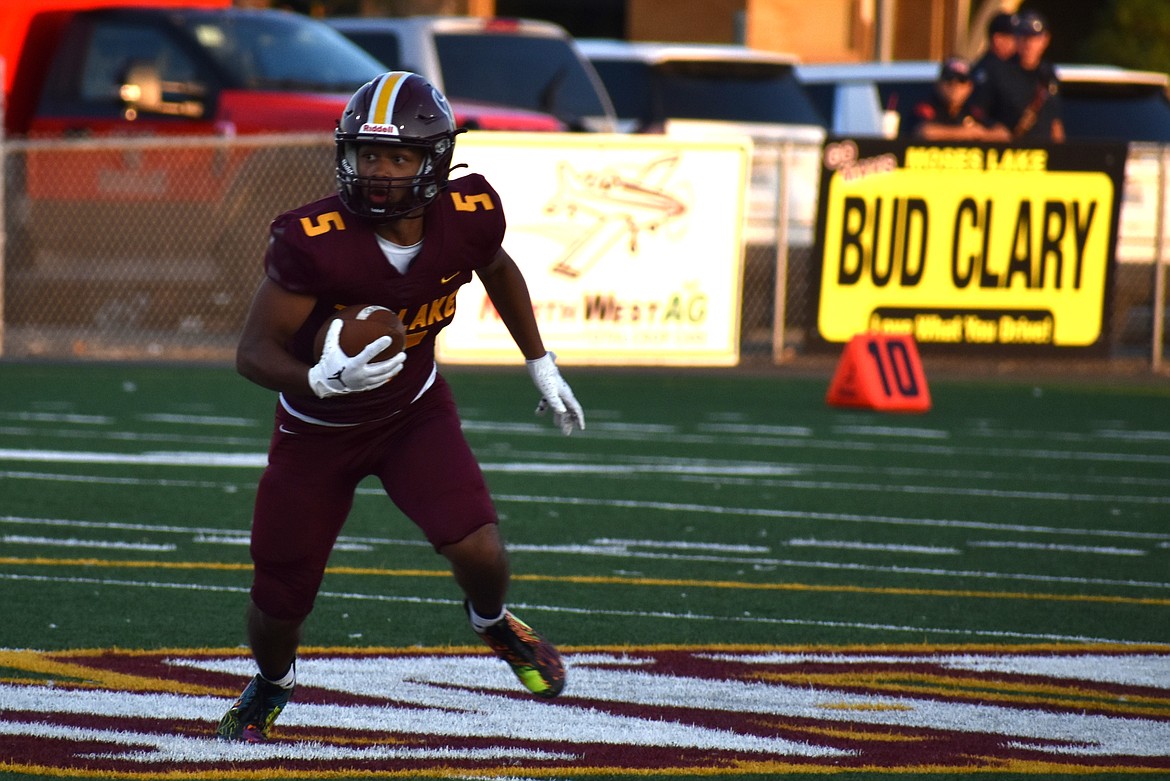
x,y
471,194
301,239
312,220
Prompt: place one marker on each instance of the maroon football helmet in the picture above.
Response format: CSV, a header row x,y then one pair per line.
x,y
395,108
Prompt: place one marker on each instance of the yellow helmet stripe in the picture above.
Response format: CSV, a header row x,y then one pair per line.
x,y
382,106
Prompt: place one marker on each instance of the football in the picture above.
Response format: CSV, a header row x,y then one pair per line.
x,y
362,324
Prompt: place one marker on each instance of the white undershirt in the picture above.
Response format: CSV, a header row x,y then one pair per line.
x,y
398,255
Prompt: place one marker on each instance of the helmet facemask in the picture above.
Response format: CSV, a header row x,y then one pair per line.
x,y
395,109
400,195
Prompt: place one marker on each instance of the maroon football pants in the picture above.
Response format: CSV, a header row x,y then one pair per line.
x,y
305,494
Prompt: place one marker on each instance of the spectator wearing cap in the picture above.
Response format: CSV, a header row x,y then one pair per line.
x,y
949,114
1027,98
1001,36
1038,90
991,69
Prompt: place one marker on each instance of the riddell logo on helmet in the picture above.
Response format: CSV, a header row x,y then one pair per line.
x,y
388,130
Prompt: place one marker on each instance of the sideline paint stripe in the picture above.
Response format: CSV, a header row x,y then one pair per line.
x,y
769,512
635,614
595,550
694,464
258,460
1097,551
73,542
625,504
886,488
200,420
669,507
799,439
619,580
810,542
177,458
154,482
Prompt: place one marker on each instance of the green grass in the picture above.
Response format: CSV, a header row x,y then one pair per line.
x,y
698,509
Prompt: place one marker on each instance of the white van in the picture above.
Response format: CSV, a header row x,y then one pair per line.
x,y
1101,103
524,64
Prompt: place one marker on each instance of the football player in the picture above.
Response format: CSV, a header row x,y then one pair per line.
x,y
400,234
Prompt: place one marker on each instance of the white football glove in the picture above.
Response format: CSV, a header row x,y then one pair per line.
x,y
556,394
337,373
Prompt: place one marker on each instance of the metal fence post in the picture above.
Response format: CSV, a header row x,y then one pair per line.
x,y
780,293
1159,298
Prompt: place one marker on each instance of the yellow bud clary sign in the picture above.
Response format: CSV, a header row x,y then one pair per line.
x,y
967,245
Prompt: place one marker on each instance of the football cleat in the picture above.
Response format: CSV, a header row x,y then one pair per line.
x,y
254,712
534,660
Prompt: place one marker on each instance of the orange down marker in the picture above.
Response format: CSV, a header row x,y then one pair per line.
x,y
881,372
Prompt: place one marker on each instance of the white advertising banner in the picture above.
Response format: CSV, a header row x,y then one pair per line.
x,y
632,247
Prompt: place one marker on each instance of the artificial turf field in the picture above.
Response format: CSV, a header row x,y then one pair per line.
x,y
746,583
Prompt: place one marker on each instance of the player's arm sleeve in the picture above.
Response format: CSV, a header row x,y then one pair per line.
x,y
509,294
286,263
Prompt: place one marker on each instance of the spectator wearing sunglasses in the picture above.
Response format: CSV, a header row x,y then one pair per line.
x,y
949,114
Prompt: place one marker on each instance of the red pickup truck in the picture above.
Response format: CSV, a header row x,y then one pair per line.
x,y
119,80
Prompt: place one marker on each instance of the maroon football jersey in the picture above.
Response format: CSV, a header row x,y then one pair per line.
x,y
323,250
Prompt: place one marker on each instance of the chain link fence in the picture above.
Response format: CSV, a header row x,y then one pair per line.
x,y
151,248
144,248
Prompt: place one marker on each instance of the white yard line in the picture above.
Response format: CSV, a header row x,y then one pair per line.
x,y
624,553
73,542
724,471
776,513
741,619
1050,547
872,546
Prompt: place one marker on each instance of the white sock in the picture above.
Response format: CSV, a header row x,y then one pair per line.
x,y
287,681
479,623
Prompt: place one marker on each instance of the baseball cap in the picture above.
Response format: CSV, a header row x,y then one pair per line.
x,y
1031,23
1002,23
955,69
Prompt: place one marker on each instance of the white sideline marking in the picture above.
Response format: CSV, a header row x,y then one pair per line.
x,y
16,539
240,537
765,436
677,545
231,536
724,472
110,480
757,430
1057,548
243,540
885,488
638,614
199,420
691,470
175,458
741,470
768,512
187,440
1135,436
600,550
893,431
58,417
870,546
